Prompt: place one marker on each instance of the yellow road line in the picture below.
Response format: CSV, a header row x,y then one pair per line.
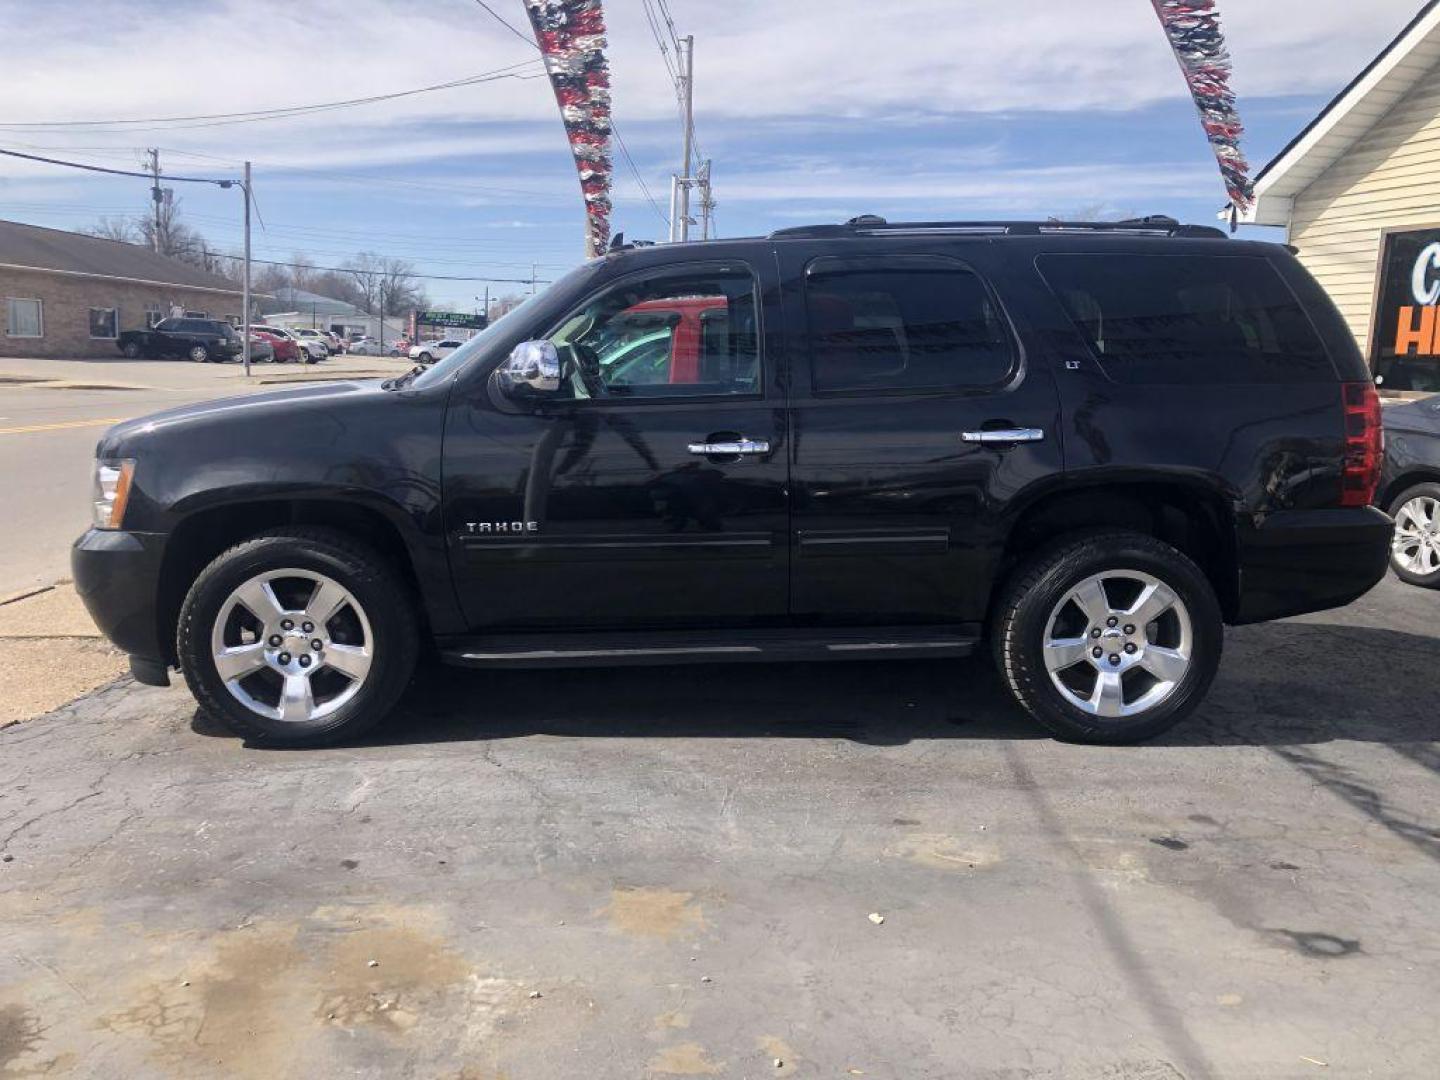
x,y
107,421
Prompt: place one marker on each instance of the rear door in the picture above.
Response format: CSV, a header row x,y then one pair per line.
x,y
917,418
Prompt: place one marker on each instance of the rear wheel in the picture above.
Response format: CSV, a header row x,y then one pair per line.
x,y
1415,550
131,351
1112,638
200,354
299,637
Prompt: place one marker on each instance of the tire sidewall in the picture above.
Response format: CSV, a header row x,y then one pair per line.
x,y
394,637
1424,581
1031,623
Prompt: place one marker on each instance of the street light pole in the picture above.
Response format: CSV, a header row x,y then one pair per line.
x,y
246,316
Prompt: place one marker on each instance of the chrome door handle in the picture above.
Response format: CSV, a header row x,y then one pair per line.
x,y
731,449
1008,435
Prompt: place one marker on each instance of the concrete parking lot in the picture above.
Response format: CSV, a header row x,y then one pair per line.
x,y
661,873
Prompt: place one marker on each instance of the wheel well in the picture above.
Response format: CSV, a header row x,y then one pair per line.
x,y
1198,523
1399,484
198,539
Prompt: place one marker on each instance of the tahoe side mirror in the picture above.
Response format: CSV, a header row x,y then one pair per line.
x,y
531,370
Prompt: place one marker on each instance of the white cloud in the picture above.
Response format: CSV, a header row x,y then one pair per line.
x,y
757,60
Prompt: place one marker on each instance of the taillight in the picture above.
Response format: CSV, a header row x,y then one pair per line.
x,y
1364,444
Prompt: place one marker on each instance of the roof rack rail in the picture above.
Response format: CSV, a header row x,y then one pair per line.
x,y
874,225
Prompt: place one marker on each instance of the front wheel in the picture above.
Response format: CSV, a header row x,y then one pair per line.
x,y
298,637
1111,638
1415,550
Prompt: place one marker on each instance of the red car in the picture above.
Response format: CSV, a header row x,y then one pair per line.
x,y
661,341
286,347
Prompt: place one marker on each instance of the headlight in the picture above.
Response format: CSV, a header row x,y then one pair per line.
x,y
112,491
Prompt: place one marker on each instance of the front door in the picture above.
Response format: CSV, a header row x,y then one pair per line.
x,y
653,493
916,422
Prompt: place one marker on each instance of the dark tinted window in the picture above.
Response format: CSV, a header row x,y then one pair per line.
x,y
1188,318
904,324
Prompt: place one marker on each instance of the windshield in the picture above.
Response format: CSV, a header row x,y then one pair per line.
x,y
450,364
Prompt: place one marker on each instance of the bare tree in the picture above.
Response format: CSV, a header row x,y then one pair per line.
x,y
108,228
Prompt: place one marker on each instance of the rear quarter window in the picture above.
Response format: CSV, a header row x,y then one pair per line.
x,y
1188,319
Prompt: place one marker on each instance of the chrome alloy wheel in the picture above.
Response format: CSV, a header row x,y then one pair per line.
x,y
1416,546
292,645
1118,644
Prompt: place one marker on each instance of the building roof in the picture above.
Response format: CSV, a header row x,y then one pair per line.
x,y
1353,112
34,248
290,299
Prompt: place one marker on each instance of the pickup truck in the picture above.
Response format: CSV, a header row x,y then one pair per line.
x,y
201,340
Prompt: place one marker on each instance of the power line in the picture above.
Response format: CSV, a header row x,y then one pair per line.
x,y
523,37
624,150
280,113
117,172
408,273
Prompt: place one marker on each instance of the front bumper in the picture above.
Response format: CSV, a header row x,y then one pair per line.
x,y
117,575
1298,561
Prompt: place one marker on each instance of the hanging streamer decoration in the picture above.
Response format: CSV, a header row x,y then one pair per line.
x,y
571,36
1193,27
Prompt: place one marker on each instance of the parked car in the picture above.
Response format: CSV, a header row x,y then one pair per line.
x,y
305,334
366,346
286,348
400,347
262,348
201,340
1083,448
337,343
1410,489
427,352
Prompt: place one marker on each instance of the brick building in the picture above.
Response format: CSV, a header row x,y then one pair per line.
x,y
63,294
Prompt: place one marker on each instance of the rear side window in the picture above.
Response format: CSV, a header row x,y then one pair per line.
x,y
1188,319
910,323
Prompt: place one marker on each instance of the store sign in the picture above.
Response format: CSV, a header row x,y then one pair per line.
x,y
1409,300
455,319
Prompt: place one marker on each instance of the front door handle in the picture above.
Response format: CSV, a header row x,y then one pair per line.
x,y
731,448
1005,435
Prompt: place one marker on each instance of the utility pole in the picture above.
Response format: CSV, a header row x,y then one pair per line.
x,y
246,316
487,305
707,204
687,100
534,269
155,197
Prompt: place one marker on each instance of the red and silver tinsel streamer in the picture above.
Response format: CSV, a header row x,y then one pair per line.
x,y
1193,27
571,36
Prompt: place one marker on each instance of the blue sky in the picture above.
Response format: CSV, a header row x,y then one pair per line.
x,y
812,111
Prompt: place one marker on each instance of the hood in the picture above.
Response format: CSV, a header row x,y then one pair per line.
x,y
257,410
1423,415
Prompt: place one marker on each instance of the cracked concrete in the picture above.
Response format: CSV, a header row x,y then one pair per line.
x,y
681,863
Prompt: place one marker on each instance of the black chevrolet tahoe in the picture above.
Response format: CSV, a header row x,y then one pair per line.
x,y
1087,448
201,340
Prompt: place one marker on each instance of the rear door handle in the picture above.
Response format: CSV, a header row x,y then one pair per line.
x,y
735,448
1005,435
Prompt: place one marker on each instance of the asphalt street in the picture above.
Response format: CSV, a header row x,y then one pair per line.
x,y
876,870
53,412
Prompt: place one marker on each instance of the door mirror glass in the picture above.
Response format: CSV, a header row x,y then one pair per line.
x,y
532,370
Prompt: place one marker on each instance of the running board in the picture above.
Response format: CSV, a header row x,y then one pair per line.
x,y
618,649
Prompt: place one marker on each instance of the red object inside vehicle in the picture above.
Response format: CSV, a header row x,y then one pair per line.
x,y
686,339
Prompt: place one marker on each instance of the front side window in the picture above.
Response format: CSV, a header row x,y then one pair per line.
x,y
677,334
911,323
24,318
1188,319
104,323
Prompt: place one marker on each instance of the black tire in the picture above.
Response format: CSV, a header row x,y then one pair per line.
x,y
131,351
199,353
1040,585
1413,577
387,603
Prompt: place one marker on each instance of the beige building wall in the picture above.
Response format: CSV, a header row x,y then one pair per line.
x,y
66,301
1389,180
